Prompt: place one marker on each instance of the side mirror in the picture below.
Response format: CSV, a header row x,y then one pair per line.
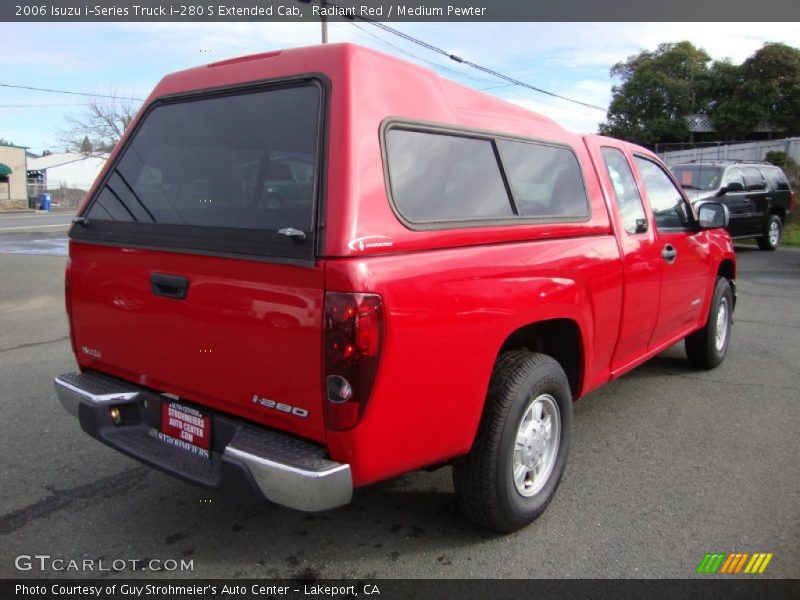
x,y
713,215
733,186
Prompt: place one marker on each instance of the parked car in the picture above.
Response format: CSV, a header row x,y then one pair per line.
x,y
462,271
757,194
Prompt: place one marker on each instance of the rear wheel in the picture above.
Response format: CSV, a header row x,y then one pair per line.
x,y
707,347
772,234
519,454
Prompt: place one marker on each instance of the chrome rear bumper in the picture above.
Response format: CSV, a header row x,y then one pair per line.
x,y
275,466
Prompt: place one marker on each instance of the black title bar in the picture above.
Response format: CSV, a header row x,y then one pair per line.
x,y
391,589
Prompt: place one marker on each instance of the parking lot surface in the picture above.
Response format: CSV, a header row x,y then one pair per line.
x,y
667,464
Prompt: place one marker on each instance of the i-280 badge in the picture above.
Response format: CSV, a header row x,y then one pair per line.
x,y
280,406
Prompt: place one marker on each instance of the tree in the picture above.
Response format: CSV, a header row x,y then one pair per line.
x,y
765,89
5,142
658,90
101,124
86,146
775,72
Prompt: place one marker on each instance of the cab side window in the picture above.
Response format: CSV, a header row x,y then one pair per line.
x,y
669,208
628,199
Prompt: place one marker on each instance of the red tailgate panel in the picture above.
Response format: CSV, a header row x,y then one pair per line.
x,y
247,331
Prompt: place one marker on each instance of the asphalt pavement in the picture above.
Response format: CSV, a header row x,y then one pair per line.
x,y
667,464
35,221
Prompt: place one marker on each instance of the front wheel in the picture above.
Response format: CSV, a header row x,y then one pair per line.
x,y
772,234
519,454
707,347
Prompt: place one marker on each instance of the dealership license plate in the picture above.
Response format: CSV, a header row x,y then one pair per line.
x,y
185,428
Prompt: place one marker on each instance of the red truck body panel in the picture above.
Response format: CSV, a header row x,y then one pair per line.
x,y
452,296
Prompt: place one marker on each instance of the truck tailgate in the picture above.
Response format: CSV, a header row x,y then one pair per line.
x,y
245,339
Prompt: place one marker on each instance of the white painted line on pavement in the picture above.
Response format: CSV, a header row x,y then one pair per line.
x,y
31,216
34,227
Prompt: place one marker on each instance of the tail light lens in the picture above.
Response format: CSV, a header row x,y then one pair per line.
x,y
353,344
68,301
791,200
67,285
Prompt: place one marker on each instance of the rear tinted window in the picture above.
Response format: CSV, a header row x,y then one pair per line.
x,y
436,178
448,178
777,179
545,180
698,177
242,162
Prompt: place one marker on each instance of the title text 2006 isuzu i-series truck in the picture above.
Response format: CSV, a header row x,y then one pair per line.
x,y
306,271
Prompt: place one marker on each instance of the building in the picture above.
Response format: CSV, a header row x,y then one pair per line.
x,y
13,168
67,176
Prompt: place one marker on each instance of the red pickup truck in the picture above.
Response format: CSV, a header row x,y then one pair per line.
x,y
307,271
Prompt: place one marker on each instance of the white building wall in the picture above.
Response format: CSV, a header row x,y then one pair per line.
x,y
68,170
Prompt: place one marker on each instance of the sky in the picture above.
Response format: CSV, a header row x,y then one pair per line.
x,y
128,59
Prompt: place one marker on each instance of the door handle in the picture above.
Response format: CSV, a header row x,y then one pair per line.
x,y
292,233
669,253
169,286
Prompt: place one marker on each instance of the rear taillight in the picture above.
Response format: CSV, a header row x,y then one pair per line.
x,y
791,200
353,344
67,277
68,301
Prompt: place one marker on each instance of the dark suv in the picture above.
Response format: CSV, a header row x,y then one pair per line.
x,y
757,195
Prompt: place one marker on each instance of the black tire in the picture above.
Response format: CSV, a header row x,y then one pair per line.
x,y
770,241
702,346
484,480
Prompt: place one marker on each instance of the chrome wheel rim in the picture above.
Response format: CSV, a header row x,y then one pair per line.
x,y
774,233
536,445
722,325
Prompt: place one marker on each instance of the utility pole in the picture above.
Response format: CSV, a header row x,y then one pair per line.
x,y
323,19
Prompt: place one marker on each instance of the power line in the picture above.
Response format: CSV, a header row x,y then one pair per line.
x,y
38,89
486,70
430,62
455,71
460,73
458,59
391,30
37,105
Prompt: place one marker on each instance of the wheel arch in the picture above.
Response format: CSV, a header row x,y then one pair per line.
x,y
559,338
779,212
727,269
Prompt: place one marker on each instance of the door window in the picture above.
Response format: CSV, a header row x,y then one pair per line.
x,y
627,195
669,208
